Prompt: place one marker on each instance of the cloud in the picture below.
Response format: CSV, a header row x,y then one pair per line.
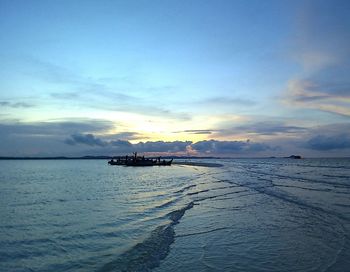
x,y
91,140
120,101
321,34
97,93
15,105
318,95
228,101
88,139
142,107
322,49
125,146
51,72
66,96
324,143
55,128
121,144
269,128
138,106
47,138
128,135
197,131
261,128
329,137
225,147
130,93
202,147
161,146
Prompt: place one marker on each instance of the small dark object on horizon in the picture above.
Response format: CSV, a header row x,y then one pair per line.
x,y
139,161
294,157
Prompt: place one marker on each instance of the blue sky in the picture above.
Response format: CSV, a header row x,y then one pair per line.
x,y
230,78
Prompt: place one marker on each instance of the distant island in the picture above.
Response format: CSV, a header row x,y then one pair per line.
x,y
294,157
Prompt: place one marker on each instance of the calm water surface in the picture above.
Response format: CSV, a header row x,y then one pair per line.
x,y
249,215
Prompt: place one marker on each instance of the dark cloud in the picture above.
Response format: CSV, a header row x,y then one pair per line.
x,y
129,135
309,98
324,143
126,146
55,128
15,105
205,147
331,129
222,147
87,139
121,144
46,138
161,146
50,139
197,131
332,137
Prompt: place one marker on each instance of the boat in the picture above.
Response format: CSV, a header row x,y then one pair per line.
x,y
117,162
139,161
145,162
164,162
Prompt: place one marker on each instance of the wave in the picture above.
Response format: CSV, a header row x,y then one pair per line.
x,y
217,196
147,255
304,165
324,166
284,196
332,183
185,188
303,188
336,176
198,192
166,203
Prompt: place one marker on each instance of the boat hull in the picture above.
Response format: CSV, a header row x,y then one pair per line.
x,y
140,162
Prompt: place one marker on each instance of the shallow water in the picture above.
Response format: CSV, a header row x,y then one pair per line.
x,y
249,215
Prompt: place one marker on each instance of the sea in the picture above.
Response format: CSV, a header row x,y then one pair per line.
x,y
246,215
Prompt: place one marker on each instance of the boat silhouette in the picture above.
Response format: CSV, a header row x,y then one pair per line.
x,y
139,161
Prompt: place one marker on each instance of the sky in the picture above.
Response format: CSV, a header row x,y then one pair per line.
x,y
174,77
